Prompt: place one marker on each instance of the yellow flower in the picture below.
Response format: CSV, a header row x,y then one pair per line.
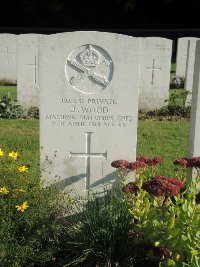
x,y
22,207
13,155
1,152
23,169
4,190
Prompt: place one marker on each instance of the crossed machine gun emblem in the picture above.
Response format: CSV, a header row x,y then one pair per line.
x,y
89,58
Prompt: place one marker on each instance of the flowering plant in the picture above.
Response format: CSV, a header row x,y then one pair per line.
x,y
165,211
29,214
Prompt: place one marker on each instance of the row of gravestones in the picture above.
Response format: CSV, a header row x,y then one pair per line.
x,y
19,65
89,94
155,56
23,69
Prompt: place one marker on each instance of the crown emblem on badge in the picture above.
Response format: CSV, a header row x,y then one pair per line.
x,y
90,57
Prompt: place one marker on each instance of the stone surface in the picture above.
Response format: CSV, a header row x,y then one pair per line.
x,y
181,55
154,72
194,143
189,72
27,70
8,69
88,107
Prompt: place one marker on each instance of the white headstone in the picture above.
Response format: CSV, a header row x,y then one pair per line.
x,y
88,106
8,70
27,70
181,55
194,141
154,72
189,72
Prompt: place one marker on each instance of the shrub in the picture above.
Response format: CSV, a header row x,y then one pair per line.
x,y
166,213
10,109
183,112
178,98
33,112
176,107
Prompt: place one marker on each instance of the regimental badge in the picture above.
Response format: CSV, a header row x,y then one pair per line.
x,y
89,69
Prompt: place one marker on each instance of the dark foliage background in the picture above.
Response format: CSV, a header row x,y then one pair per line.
x,y
102,14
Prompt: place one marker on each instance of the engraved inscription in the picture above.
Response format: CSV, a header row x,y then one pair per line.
x,y
7,54
35,66
153,68
91,112
87,155
89,69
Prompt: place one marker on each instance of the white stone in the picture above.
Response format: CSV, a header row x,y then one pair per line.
x,y
194,142
154,72
8,71
27,70
181,55
88,105
189,72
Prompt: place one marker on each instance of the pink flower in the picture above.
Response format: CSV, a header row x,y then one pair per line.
x,y
157,160
163,253
130,188
197,199
194,162
150,161
137,165
120,164
161,185
181,162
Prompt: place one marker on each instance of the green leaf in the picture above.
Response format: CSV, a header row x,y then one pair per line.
x,y
170,262
195,262
194,252
171,221
175,232
146,204
184,237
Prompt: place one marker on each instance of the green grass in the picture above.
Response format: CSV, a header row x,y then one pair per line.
x,y
173,70
168,139
22,136
11,90
103,228
173,67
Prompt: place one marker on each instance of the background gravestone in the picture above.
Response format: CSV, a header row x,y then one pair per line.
x,y
154,72
27,70
181,55
8,70
88,106
194,143
189,72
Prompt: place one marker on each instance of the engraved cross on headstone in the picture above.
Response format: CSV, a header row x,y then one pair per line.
x,y
6,53
87,155
153,68
35,65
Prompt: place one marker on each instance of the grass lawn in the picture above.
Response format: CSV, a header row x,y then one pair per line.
x,y
11,90
22,136
173,68
168,139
